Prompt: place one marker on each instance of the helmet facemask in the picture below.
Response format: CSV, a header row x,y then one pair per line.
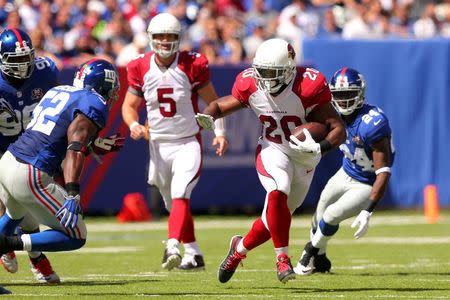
x,y
18,64
271,78
163,47
347,100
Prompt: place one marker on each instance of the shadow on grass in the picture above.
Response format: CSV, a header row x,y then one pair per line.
x,y
84,283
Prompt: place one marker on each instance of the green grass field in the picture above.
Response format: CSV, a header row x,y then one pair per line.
x,y
401,257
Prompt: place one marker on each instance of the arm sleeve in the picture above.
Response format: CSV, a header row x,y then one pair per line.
x,y
377,129
95,109
134,78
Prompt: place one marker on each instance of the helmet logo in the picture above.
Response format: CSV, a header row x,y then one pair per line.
x,y
343,81
22,48
110,76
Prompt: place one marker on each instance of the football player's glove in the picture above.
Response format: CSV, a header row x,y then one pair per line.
x,y
69,211
205,121
306,153
363,220
5,106
113,143
308,145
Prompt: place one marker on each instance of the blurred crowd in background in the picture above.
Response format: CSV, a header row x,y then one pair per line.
x,y
226,31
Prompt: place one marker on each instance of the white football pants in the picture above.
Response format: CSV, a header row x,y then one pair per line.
x,y
343,197
277,171
175,167
26,189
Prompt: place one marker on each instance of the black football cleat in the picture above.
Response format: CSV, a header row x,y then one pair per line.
x,y
321,263
284,268
231,261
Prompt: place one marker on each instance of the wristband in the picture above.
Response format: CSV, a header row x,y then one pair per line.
x,y
73,188
371,206
135,123
383,170
325,145
219,125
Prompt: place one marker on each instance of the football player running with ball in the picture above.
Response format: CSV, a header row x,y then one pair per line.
x,y
170,81
283,97
362,180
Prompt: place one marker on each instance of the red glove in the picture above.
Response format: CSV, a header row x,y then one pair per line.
x,y
113,143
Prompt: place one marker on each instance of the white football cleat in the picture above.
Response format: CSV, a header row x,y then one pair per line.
x,y
9,262
305,265
171,258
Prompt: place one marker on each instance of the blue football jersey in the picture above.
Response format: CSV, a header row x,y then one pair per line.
x,y
368,127
24,99
44,142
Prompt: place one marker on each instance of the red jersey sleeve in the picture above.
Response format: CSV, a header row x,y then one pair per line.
x,y
312,88
195,66
243,87
135,72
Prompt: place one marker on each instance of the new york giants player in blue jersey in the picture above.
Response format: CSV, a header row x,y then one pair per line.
x,y
363,178
24,79
64,125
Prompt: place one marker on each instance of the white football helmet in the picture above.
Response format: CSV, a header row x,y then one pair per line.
x,y
274,65
161,24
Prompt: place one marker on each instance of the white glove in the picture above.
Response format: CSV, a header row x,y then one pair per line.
x,y
306,153
205,121
363,220
308,145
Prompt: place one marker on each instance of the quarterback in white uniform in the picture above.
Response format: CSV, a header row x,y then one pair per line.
x,y
283,97
363,178
170,81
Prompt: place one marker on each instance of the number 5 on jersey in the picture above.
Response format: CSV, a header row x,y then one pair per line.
x,y
167,105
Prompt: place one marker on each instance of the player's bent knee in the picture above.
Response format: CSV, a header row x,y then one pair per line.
x,y
75,244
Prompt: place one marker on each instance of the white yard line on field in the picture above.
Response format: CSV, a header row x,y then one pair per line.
x,y
399,240
213,224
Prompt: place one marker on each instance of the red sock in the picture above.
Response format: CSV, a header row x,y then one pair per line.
x,y
278,218
258,235
178,217
188,233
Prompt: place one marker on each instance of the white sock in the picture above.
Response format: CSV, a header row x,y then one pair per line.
x,y
278,251
192,249
240,248
319,240
172,243
26,240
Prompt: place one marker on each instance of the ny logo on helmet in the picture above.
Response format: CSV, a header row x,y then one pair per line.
x,y
22,47
110,76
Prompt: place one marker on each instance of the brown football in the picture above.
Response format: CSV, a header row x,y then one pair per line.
x,y
318,131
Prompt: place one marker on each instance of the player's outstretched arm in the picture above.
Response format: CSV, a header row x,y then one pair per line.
x,y
222,107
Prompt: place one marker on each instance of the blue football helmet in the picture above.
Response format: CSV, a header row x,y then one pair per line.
x,y
101,76
16,53
348,88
